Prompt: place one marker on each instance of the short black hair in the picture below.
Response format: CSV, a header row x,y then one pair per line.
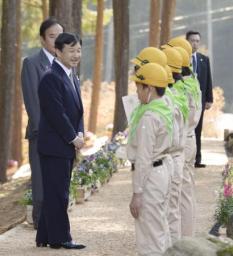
x,y
47,24
186,71
190,33
67,38
160,91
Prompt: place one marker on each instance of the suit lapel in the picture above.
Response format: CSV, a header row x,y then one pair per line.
x,y
76,95
199,64
77,86
70,86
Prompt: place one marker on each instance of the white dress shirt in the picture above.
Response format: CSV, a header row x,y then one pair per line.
x,y
48,55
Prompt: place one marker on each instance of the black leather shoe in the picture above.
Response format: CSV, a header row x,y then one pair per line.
x,y
72,245
199,165
55,246
41,244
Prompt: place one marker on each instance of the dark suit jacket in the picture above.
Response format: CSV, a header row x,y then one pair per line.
x,y
204,77
33,69
61,115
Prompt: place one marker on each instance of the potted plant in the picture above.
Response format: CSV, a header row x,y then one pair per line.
x,y
224,210
27,201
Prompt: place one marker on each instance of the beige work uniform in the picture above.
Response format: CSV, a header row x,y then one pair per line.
x,y
149,144
177,154
188,199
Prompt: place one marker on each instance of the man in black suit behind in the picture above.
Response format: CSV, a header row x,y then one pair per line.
x,y
60,135
201,66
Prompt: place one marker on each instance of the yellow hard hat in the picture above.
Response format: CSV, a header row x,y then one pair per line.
x,y
169,75
174,59
185,56
151,74
181,42
150,55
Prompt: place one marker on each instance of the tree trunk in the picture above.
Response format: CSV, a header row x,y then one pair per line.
x,y
121,57
154,23
77,22
168,13
77,16
7,78
97,68
16,147
62,11
45,10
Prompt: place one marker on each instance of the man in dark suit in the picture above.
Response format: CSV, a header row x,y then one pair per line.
x,y
201,66
33,69
60,136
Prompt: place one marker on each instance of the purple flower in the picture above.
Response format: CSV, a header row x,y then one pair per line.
x,y
228,190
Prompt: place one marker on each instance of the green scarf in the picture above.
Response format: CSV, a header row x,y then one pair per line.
x,y
180,98
192,85
157,106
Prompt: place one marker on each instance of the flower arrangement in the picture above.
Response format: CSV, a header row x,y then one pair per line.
x,y
97,168
224,208
27,198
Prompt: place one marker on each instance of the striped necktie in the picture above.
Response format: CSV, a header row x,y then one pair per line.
x,y
72,81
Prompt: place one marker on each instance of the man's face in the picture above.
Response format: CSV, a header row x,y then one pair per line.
x,y
194,41
70,56
50,36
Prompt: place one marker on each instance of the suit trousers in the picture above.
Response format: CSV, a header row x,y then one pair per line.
x,y
152,232
36,179
174,215
54,226
198,131
188,200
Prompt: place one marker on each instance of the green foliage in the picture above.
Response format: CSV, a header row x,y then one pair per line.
x,y
27,198
224,209
89,19
226,251
31,12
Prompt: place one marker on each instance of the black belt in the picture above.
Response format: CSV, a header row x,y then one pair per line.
x,y
190,136
155,164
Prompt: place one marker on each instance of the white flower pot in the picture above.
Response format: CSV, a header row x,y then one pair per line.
x,y
29,214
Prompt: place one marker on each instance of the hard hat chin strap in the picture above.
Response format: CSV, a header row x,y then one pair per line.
x,y
148,97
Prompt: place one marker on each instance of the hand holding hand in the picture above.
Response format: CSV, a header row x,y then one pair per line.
x,y
78,141
136,205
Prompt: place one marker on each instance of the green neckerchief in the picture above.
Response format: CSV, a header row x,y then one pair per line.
x,y
181,99
194,87
157,106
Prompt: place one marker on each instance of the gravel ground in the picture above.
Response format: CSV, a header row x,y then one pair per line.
x,y
104,224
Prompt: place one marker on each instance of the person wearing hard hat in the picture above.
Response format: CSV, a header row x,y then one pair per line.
x,y
149,139
180,42
177,153
187,193
149,55
155,55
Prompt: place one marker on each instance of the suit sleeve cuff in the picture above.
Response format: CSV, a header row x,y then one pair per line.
x,y
76,137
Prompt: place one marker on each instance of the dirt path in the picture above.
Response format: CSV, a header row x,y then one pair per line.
x,y
104,223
